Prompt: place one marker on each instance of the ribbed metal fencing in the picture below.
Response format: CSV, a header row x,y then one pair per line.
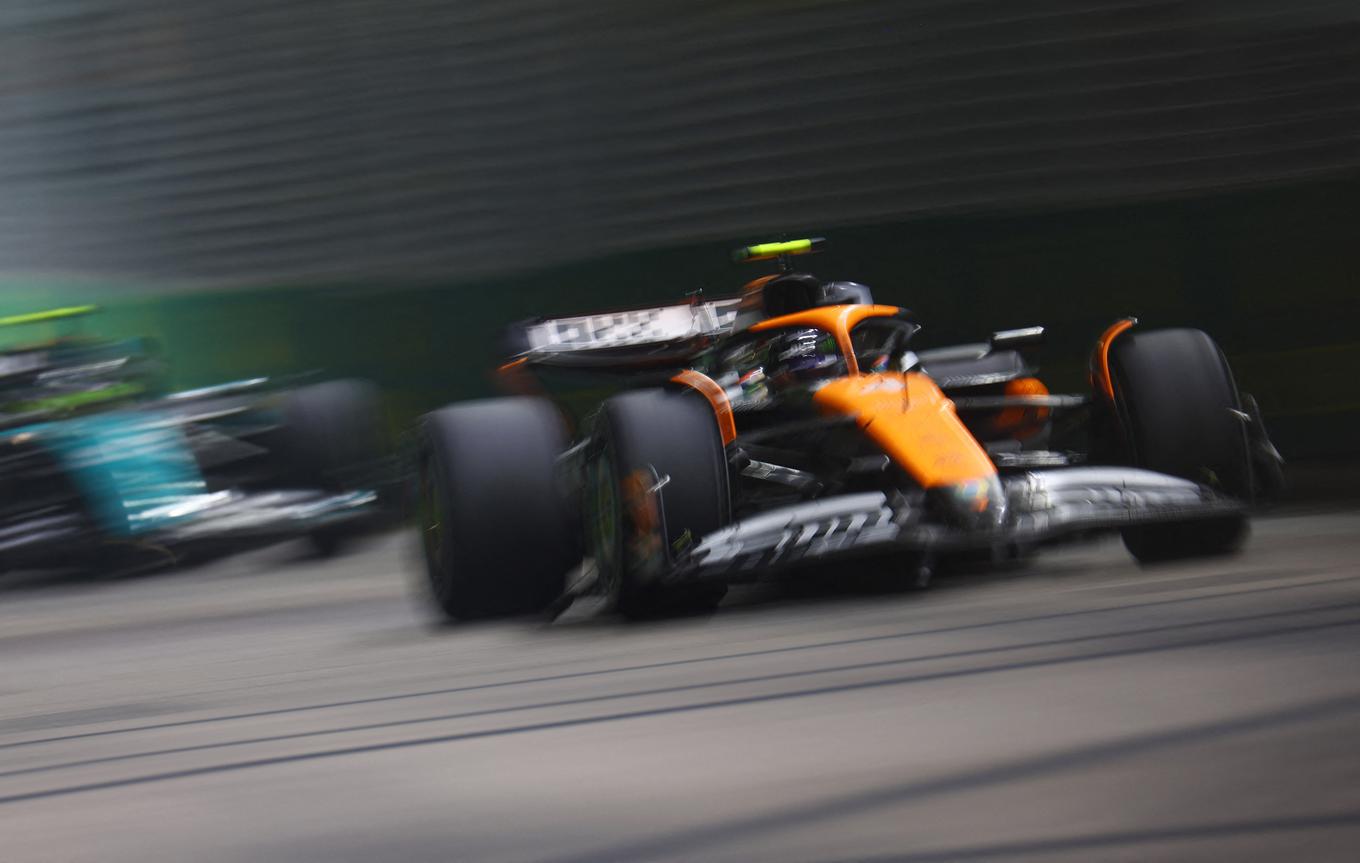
x,y
240,141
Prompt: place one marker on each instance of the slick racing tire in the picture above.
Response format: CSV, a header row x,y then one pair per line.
x,y
496,531
332,436
330,429
1181,415
642,440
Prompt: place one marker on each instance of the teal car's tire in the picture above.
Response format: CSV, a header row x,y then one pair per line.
x,y
331,430
332,437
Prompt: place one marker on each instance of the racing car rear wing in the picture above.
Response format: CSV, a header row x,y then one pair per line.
x,y
610,338
648,336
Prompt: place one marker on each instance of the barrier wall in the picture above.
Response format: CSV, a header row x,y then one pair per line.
x,y
1273,273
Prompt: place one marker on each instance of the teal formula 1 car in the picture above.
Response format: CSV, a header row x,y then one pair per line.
x,y
101,467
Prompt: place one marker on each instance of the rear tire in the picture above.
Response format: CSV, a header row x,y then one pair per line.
x,y
1181,415
651,436
497,534
333,439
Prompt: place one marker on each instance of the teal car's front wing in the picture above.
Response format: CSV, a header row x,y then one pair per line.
x,y
77,489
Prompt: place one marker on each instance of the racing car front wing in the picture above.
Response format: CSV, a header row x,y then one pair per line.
x,y
1039,506
231,515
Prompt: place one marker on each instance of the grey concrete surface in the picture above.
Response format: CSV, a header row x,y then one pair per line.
x,y
272,708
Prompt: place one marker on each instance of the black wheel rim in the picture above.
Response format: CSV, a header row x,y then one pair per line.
x,y
605,529
433,529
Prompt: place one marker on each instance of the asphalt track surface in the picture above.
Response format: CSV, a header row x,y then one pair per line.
x,y
272,708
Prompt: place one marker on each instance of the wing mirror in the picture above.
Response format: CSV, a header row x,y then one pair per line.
x,y
1003,340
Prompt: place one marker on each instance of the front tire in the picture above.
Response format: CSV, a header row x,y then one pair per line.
x,y
1182,416
645,438
496,531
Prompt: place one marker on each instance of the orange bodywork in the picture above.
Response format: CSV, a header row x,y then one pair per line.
x,y
709,389
906,415
1022,422
751,298
837,320
913,422
1100,363
515,377
513,367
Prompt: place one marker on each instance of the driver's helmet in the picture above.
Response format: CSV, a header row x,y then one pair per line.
x,y
802,356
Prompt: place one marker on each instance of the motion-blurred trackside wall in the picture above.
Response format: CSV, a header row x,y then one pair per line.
x,y
376,187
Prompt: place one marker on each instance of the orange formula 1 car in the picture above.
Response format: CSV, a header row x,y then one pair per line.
x,y
796,424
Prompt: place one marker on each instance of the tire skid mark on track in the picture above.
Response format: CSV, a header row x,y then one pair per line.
x,y
837,689
1046,847
689,687
186,623
653,666
687,844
